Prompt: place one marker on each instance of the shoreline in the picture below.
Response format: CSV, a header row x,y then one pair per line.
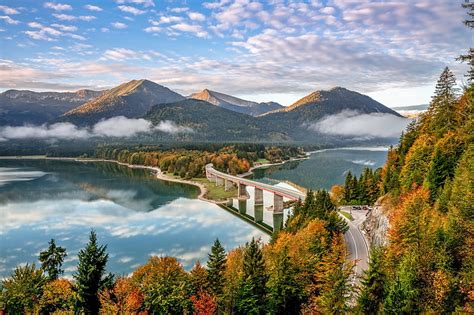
x,y
156,170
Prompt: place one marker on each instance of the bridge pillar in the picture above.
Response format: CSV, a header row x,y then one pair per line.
x,y
258,213
277,203
242,193
219,181
258,196
277,221
227,184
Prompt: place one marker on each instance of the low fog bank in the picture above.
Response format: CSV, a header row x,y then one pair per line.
x,y
354,124
119,126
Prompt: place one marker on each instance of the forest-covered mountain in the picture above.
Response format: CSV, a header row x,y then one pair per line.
x,y
235,104
18,107
131,99
211,122
322,103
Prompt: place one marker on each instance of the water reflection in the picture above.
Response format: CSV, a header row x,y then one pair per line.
x,y
324,168
262,214
135,214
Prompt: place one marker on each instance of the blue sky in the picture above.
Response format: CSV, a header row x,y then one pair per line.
x,y
259,50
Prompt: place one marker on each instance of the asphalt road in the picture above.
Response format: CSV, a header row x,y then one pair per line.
x,y
356,242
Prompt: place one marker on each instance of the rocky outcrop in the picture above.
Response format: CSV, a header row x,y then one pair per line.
x,y
377,223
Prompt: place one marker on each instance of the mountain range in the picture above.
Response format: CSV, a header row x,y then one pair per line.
x,y
212,116
27,107
234,103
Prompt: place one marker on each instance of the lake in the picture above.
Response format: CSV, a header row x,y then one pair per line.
x,y
324,168
132,212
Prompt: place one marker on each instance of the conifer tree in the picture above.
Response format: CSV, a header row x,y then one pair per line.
x,y
215,268
285,292
90,275
442,109
52,260
252,291
469,57
373,281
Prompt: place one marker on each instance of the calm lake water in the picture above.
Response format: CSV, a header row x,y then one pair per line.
x,y
324,168
132,212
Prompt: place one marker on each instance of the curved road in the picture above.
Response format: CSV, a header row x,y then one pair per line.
x,y
355,240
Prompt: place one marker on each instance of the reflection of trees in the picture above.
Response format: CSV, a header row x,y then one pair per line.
x,y
131,188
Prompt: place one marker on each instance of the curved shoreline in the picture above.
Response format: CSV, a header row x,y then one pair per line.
x,y
157,171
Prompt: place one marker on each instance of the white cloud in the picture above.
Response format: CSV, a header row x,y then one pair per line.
x,y
57,6
93,8
65,28
169,126
121,126
152,29
8,10
145,3
119,25
9,20
118,126
119,54
196,16
67,17
352,123
190,28
55,131
131,10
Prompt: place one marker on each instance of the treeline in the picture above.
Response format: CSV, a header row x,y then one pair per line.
x,y
428,266
188,163
364,190
303,269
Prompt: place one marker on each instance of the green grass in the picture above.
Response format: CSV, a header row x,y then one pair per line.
x,y
215,192
347,215
262,161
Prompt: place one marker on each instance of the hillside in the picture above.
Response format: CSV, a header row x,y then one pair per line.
x,y
235,104
210,122
131,99
18,107
427,188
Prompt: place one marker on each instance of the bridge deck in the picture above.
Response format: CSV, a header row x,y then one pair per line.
x,y
284,192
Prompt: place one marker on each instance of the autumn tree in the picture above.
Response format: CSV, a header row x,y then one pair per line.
x,y
23,289
52,260
58,296
165,286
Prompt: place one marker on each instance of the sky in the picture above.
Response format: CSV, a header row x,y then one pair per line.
x,y
276,50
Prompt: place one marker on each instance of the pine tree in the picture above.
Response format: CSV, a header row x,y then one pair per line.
x,y
373,281
252,291
198,278
215,268
285,292
90,275
442,109
403,293
52,260
469,57
348,188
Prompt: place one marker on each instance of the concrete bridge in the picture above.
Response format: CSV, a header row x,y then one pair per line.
x,y
226,180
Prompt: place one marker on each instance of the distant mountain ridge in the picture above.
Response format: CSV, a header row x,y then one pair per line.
x,y
132,99
18,107
217,117
234,103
